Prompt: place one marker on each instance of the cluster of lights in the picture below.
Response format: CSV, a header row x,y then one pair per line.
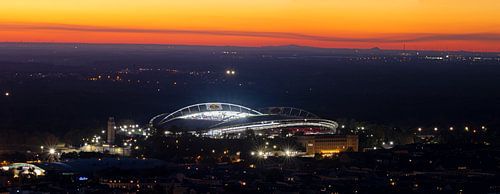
x,y
358,129
392,182
230,72
132,130
126,130
466,128
95,140
290,153
265,154
130,143
51,150
261,154
390,143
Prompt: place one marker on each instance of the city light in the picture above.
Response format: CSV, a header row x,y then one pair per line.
x,y
38,172
7,94
230,72
52,151
290,153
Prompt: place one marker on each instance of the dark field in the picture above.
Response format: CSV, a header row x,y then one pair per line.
x,y
50,87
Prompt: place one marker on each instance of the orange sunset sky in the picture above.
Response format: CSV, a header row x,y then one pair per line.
x,y
472,25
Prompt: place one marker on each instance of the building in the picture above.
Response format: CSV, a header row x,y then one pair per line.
x,y
218,119
24,170
111,131
328,144
115,150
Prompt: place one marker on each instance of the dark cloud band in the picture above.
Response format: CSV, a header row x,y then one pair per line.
x,y
389,38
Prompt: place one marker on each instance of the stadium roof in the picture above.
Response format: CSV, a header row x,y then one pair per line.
x,y
216,118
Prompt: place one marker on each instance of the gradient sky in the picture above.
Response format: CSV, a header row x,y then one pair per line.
x,y
419,24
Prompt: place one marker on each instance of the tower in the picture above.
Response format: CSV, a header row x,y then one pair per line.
x,y
111,131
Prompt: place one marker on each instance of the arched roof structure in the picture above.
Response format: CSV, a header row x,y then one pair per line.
x,y
216,118
213,111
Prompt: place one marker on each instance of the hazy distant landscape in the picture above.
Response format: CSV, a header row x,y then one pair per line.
x,y
51,86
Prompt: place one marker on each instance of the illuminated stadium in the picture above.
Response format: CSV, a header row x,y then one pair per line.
x,y
216,119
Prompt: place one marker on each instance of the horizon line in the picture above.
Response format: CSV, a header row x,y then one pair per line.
x,y
240,46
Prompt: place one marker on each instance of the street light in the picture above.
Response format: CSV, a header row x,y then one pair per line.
x,y
52,151
289,153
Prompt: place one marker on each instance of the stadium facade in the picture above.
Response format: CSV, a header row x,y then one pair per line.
x,y
217,119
